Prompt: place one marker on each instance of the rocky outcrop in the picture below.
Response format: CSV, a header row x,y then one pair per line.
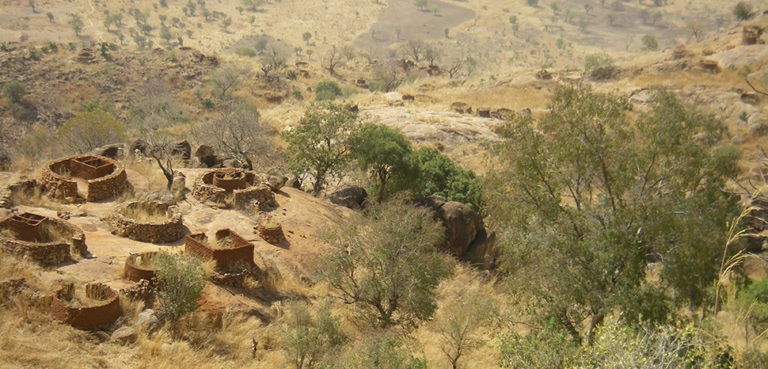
x,y
465,234
207,156
352,197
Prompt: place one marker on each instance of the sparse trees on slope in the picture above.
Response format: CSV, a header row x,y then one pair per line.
x,y
320,144
387,264
587,196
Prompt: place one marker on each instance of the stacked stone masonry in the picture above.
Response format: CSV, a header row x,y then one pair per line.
x,y
104,178
240,253
47,241
233,188
104,312
169,230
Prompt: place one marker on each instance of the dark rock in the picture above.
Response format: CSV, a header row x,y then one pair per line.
x,y
183,149
461,223
351,197
140,147
207,156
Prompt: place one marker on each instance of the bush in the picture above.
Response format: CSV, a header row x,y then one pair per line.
x,y
89,130
244,51
327,90
532,2
310,340
179,280
14,91
600,66
385,153
439,175
742,11
382,350
649,42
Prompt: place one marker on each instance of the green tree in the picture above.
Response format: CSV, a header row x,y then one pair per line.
x,y
387,264
327,90
460,319
649,42
600,66
587,195
306,36
420,4
386,154
320,144
742,11
89,130
311,340
14,91
179,280
50,16
382,350
440,176
76,23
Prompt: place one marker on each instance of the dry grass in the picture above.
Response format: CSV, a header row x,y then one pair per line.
x,y
144,213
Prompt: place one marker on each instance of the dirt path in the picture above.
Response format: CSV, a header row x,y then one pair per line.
x,y
90,21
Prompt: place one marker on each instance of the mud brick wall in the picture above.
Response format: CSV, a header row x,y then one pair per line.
x,y
108,186
261,194
133,272
241,253
232,192
170,230
86,317
45,252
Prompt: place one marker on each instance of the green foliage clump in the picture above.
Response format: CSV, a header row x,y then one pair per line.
x,y
649,42
14,91
387,264
89,130
327,90
587,196
600,66
752,303
742,11
320,146
440,176
179,280
386,154
312,341
382,350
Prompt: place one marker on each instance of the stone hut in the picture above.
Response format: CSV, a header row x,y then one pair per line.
x,y
92,177
233,188
147,221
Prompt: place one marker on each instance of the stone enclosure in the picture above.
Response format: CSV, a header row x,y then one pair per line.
x,y
102,306
147,221
47,241
91,177
233,188
139,266
237,251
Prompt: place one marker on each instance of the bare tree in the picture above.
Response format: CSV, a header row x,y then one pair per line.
x,y
240,133
225,79
455,66
272,61
332,60
459,320
414,49
432,55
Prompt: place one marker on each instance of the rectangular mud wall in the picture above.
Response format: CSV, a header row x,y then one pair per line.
x,y
85,171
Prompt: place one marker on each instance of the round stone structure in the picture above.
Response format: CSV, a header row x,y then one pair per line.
x,y
233,188
147,221
48,241
104,310
91,177
139,266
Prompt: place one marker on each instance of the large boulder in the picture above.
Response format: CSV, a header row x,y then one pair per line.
x,y
183,149
140,147
124,334
207,156
461,223
351,197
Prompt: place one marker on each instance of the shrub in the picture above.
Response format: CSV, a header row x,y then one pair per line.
x,y
179,280
385,153
327,90
439,175
532,2
310,339
14,91
600,66
89,130
649,42
245,51
742,11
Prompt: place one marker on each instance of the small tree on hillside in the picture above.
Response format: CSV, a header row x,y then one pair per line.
x,y
179,280
241,133
332,60
311,340
76,23
742,11
320,144
459,321
385,153
387,264
89,130
226,79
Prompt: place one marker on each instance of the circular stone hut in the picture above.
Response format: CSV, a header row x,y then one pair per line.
x,y
147,221
233,188
47,241
91,177
98,307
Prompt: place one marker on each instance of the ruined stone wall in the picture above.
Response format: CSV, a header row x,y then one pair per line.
x,y
134,272
86,317
241,253
237,192
33,239
106,180
170,230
